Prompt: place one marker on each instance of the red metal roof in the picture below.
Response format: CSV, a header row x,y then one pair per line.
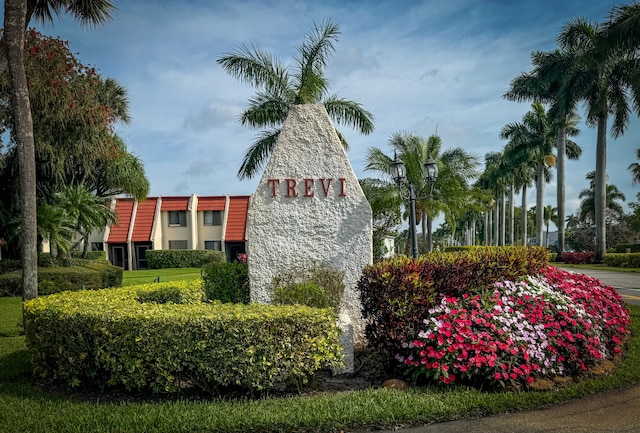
x,y
174,203
143,223
211,203
120,230
237,219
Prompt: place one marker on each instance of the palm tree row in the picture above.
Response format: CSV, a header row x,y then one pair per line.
x,y
596,64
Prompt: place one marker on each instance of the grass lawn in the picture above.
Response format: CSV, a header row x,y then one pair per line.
x,y
150,275
27,408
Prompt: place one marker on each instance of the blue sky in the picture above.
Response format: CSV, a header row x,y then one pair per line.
x,y
416,65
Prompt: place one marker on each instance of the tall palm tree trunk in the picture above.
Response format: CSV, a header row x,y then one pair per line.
x,y
15,15
503,217
601,188
496,229
524,215
561,144
539,203
511,216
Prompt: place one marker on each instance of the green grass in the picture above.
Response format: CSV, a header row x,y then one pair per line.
x,y
150,275
26,408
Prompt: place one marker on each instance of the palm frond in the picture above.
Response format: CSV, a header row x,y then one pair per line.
x,y
256,67
265,110
257,153
349,113
88,12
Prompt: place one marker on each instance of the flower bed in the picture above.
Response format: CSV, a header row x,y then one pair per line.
x,y
558,323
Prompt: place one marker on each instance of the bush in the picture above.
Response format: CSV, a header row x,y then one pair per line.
x,y
9,265
622,260
579,257
317,286
90,255
226,282
163,259
119,338
558,323
57,279
622,248
397,293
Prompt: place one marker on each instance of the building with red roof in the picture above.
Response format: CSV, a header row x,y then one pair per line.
x,y
173,222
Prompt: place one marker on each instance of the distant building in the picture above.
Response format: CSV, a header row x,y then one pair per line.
x,y
173,223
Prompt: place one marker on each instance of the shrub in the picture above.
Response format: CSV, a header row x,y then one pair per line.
x,y
579,257
8,265
396,293
163,259
622,248
318,286
57,279
622,260
556,324
226,282
127,337
90,255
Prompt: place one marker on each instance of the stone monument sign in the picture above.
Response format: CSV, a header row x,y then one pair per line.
x,y
309,207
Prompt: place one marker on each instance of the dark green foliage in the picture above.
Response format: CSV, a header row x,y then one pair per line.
x,y
162,259
622,260
397,293
90,255
318,286
9,265
93,275
622,248
226,282
104,339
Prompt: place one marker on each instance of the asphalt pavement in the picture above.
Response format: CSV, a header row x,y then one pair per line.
x,y
612,411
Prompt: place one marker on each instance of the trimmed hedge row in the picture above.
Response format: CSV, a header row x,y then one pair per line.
x,y
622,248
622,260
93,275
163,259
397,293
160,337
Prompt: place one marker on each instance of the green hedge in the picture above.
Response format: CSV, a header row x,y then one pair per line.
x,y
622,248
135,337
162,259
226,282
397,293
93,275
622,260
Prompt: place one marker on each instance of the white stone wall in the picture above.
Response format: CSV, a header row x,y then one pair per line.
x,y
298,215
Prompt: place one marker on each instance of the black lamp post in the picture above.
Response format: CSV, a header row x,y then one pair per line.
x,y
399,175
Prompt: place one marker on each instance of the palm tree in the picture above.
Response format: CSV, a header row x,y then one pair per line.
x,y
531,142
635,169
278,89
17,14
451,191
56,226
543,84
614,210
603,73
550,214
87,210
623,27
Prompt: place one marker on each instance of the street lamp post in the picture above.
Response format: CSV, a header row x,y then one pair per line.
x,y
399,175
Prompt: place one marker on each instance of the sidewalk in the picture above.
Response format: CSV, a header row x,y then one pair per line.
x,y
611,411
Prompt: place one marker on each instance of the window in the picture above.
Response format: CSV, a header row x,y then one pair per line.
x,y
213,218
177,245
213,245
178,218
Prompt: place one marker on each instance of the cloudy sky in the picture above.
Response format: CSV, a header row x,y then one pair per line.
x,y
416,65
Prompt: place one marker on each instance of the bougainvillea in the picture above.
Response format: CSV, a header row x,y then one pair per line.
x,y
557,323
